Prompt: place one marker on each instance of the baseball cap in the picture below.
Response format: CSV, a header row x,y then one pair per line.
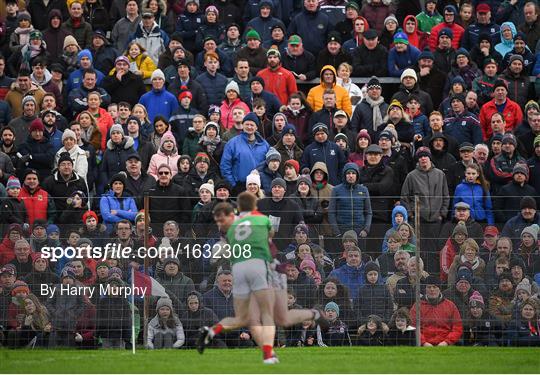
x,y
491,230
295,40
340,113
483,8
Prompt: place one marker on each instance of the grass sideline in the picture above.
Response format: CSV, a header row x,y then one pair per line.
x,y
293,360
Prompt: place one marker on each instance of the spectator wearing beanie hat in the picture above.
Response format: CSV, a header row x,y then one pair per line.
x,y
324,150
373,296
402,55
159,101
278,80
500,169
287,212
182,118
212,144
526,217
232,100
479,328
116,205
243,153
77,154
91,228
292,168
200,174
253,184
507,199
166,154
500,300
13,210
450,15
511,111
410,86
37,152
269,171
288,145
433,195
206,195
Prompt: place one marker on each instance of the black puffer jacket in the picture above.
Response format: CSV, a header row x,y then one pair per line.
x,y
379,181
114,158
113,320
193,320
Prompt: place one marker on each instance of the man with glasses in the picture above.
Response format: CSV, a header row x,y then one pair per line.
x,y
168,201
450,13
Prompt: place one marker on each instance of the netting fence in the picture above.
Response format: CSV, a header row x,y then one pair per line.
x,y
151,279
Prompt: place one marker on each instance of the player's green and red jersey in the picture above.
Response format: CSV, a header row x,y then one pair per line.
x,y
252,229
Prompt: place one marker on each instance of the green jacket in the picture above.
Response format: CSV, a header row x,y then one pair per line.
x,y
191,144
426,23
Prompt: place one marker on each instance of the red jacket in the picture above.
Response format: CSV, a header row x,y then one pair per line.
x,y
417,38
36,204
448,253
279,82
104,123
434,36
440,322
7,252
513,115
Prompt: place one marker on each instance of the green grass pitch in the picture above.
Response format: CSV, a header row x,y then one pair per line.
x,y
293,360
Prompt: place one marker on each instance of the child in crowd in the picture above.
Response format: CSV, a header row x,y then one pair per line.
x,y
165,330
372,332
338,332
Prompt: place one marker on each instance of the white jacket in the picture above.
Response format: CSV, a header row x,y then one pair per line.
x,y
80,160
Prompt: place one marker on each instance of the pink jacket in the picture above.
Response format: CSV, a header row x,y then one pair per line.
x,y
161,158
227,121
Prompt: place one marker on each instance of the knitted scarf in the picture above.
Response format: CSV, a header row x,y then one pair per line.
x,y
210,143
376,110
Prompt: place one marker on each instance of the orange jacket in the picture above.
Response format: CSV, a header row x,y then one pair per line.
x,y
315,95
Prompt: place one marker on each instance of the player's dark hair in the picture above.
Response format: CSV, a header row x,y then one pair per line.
x,y
246,201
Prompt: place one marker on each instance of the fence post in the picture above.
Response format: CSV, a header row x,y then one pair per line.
x,y
146,228
418,271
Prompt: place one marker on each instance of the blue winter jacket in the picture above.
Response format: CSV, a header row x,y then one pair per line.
x,y
74,80
263,26
240,157
464,127
353,278
214,86
330,154
5,113
313,27
477,199
398,62
125,209
187,25
350,206
159,102
403,211
266,178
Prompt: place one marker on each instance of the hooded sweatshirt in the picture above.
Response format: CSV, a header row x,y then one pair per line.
x,y
163,157
315,95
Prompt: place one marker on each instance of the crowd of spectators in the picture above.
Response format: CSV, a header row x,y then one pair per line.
x,y
189,102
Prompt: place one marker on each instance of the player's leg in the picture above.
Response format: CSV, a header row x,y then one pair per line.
x,y
241,294
265,301
240,320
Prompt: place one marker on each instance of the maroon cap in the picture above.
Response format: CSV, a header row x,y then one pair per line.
x,y
483,8
491,230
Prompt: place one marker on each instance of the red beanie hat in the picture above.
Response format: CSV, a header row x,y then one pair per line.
x,y
89,213
293,163
37,124
184,93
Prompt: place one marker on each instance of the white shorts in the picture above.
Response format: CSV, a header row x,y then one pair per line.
x,y
250,276
279,280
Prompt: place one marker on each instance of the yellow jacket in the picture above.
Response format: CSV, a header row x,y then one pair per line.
x,y
144,63
315,95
